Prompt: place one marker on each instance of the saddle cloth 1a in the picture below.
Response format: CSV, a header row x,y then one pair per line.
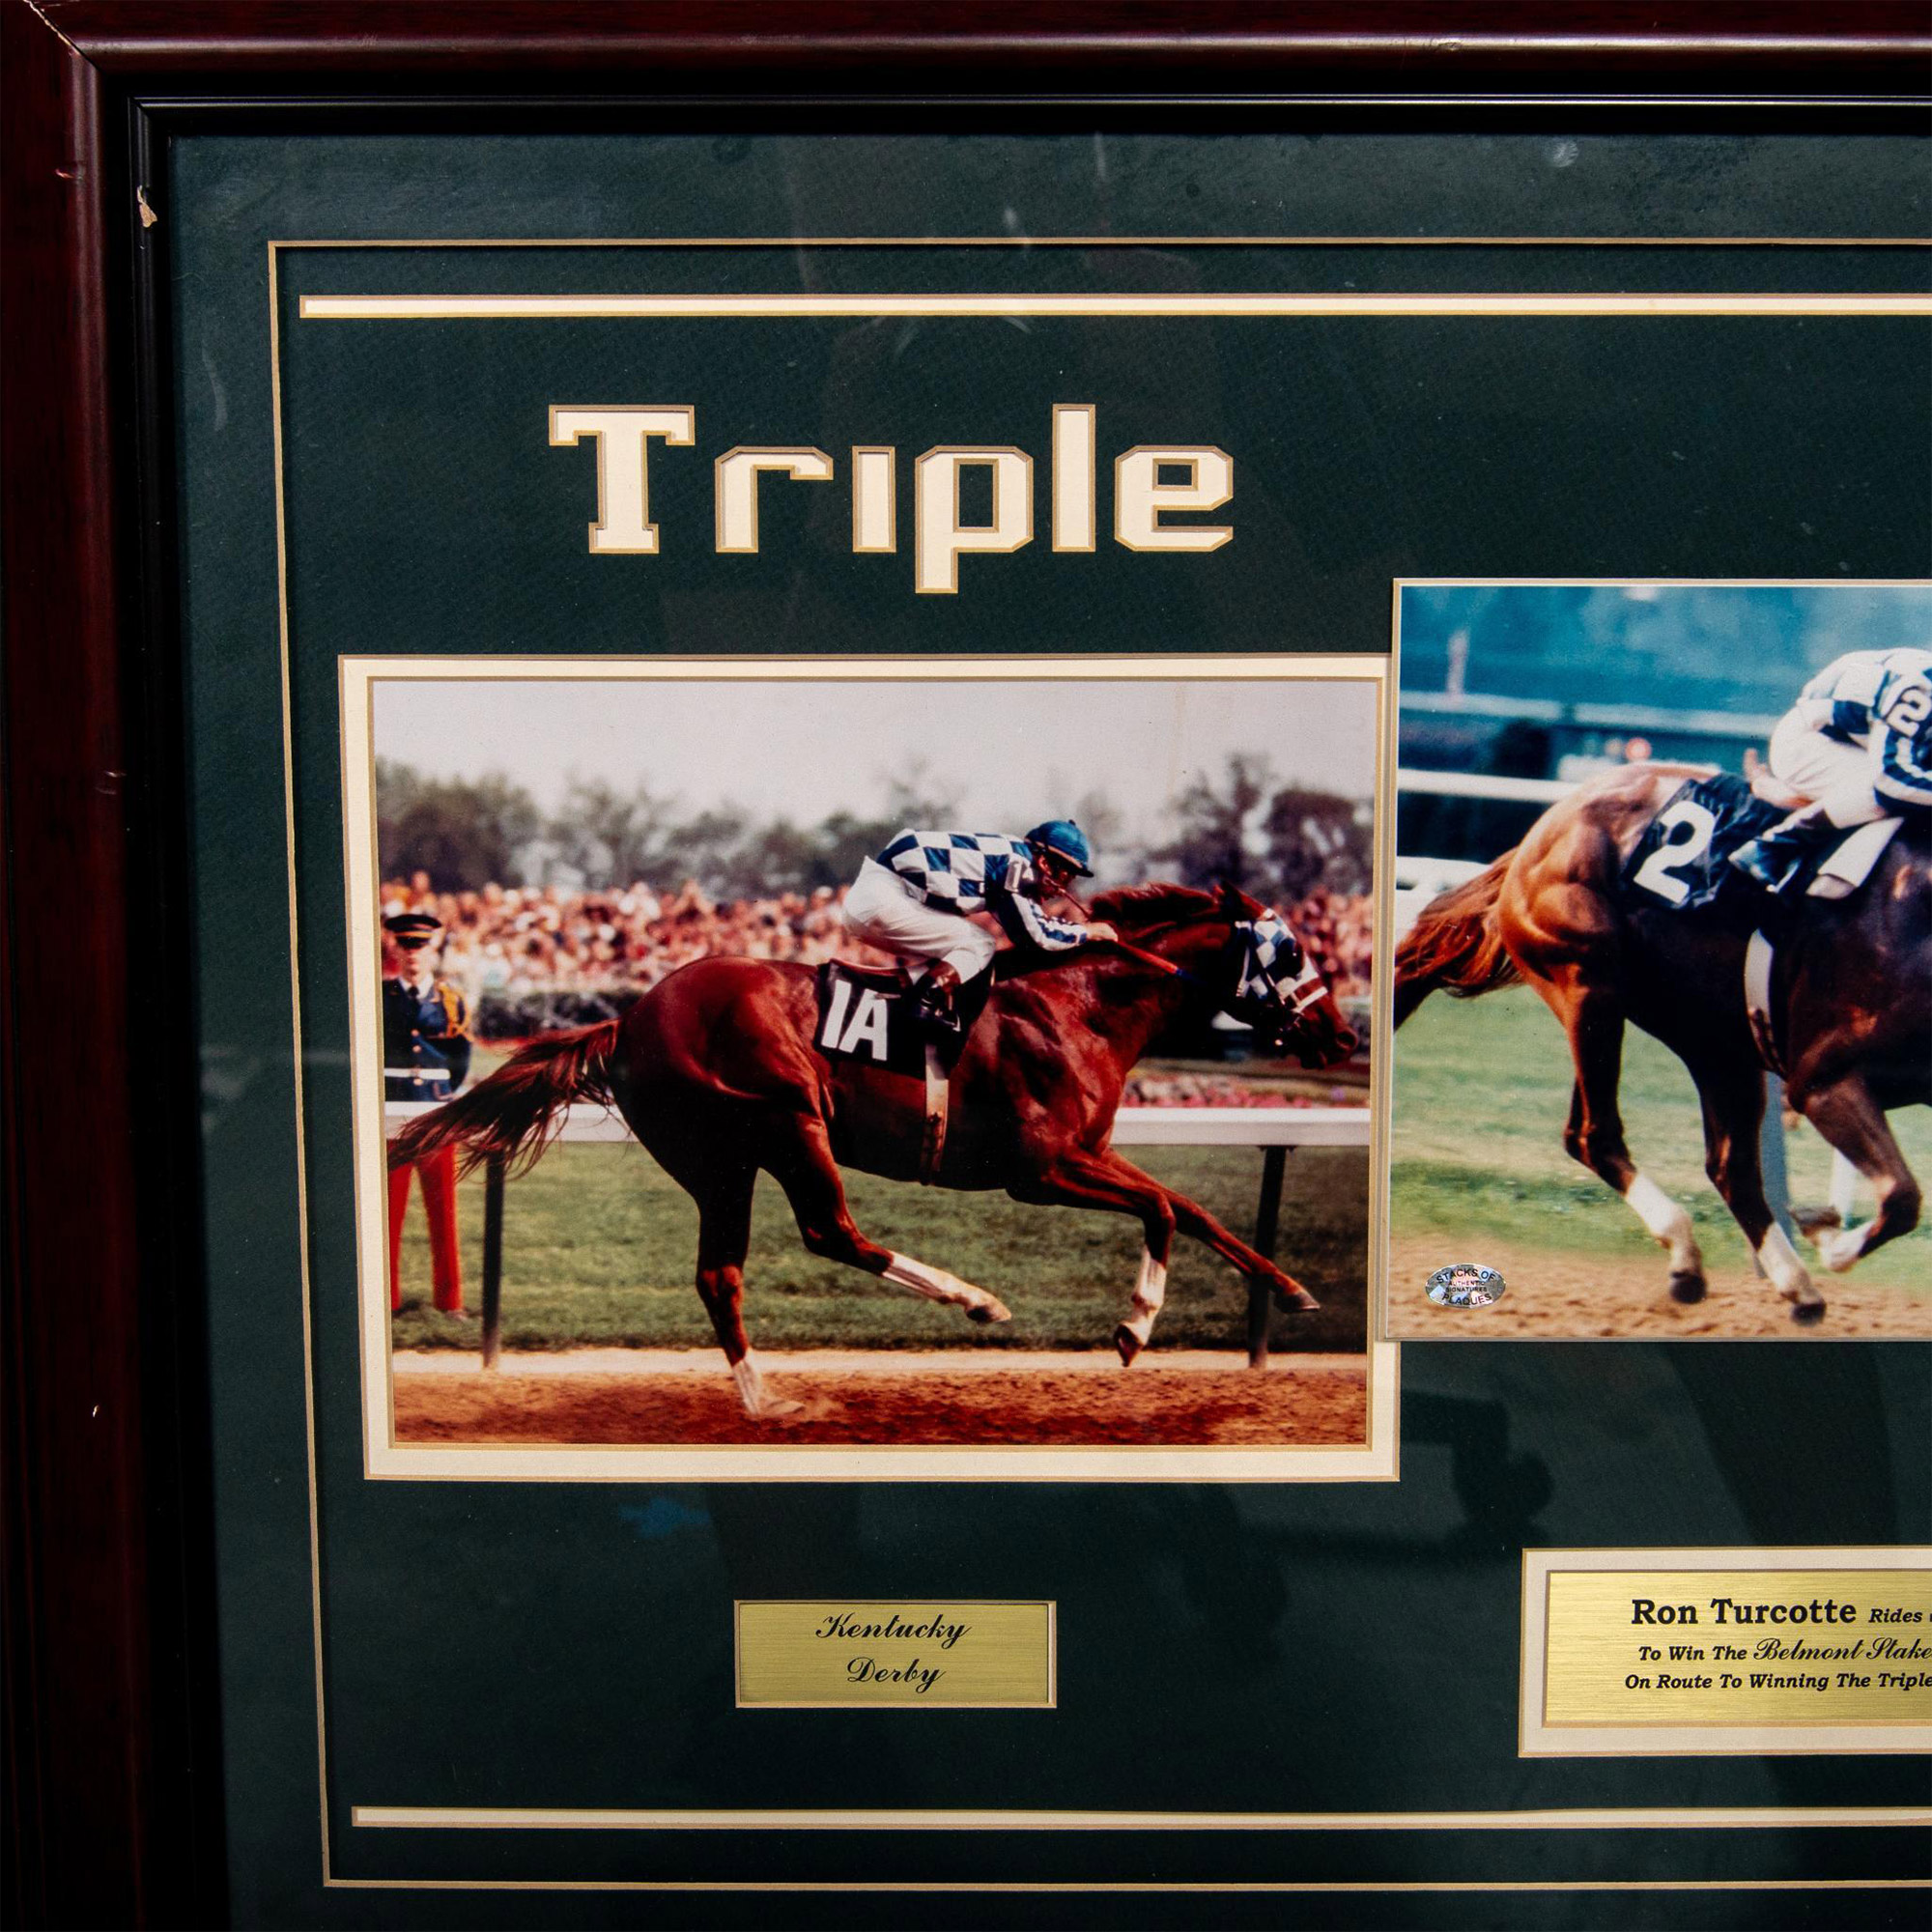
x,y
870,1018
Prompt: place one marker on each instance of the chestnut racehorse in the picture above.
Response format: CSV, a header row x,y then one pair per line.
x,y
717,1072
1851,1008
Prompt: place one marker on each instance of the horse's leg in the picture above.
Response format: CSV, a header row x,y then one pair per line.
x,y
1104,1181
1078,1178
1855,1123
801,1158
723,1234
1594,1021
1195,1221
1133,1334
1733,1100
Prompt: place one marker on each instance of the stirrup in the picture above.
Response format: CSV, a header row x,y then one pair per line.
x,y
1757,859
939,1021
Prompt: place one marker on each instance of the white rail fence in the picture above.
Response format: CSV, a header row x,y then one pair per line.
x,y
1275,1130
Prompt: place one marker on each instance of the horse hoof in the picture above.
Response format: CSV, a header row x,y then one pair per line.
x,y
1298,1302
1128,1343
1805,1313
1687,1288
1838,1248
991,1310
779,1409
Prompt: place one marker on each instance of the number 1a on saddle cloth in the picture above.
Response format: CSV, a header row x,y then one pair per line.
x,y
872,1017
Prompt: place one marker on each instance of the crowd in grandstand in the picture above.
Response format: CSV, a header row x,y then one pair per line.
x,y
1339,929
516,940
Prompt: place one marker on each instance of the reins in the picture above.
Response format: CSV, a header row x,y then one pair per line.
x,y
1126,946
1147,958
1294,1008
1155,959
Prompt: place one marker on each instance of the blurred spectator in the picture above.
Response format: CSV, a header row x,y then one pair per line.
x,y
1339,929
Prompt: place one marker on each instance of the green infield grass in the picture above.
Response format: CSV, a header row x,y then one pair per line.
x,y
1482,1091
600,1248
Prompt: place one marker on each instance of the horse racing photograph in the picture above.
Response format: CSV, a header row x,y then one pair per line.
x,y
1663,960
812,1063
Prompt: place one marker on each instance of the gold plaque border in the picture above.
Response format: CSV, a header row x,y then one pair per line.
x,y
1050,1702
1537,1738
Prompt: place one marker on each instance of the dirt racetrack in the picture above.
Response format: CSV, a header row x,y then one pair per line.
x,y
1553,1295
898,1398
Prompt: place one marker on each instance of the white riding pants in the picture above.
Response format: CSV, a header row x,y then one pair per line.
x,y
880,910
1837,776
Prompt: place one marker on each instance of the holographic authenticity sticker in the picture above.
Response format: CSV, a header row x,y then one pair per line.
x,y
1464,1285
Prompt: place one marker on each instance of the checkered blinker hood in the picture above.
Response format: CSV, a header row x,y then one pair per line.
x,y
1275,970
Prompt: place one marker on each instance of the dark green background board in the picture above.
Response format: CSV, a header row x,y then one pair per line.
x,y
1286,1649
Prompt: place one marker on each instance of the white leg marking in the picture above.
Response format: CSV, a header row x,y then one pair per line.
x,y
1150,1293
1844,1187
1786,1272
1839,1247
752,1393
751,1385
1667,1221
936,1284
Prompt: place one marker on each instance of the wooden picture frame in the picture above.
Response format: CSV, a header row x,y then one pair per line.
x,y
115,1800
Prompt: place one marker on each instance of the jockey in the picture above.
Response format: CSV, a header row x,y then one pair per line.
x,y
1859,745
915,899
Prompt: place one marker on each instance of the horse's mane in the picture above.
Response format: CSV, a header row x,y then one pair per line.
x,y
1138,906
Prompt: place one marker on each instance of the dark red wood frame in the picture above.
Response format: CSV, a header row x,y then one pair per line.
x,y
113,1806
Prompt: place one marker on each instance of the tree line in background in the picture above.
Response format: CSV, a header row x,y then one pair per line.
x,y
1277,841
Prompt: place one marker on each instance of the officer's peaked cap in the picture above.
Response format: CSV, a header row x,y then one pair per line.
x,y
413,924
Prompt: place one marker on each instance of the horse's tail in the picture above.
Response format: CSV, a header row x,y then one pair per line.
x,y
1454,944
519,1110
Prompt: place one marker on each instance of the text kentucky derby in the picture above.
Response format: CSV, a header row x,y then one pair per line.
x,y
841,1624
921,1676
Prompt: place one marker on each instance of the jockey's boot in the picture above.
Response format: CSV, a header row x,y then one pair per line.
x,y
1776,857
936,999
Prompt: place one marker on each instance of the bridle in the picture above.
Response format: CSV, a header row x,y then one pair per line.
x,y
1299,985
1293,997
1290,1000
1304,989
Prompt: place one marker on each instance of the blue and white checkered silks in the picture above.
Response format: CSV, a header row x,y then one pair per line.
x,y
1276,969
1882,700
949,869
978,872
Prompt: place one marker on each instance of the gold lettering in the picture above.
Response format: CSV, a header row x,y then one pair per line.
x,y
623,525
942,538
1141,499
736,473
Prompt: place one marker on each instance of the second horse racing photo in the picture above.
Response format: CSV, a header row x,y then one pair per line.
x,y
1664,972
856,1058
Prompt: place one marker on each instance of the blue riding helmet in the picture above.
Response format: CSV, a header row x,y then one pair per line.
x,y
1061,836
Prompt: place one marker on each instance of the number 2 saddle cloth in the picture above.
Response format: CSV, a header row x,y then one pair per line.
x,y
1683,859
870,1016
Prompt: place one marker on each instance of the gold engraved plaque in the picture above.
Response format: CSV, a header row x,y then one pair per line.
x,y
938,1655
1654,1651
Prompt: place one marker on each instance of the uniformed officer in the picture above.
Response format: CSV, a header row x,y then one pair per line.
x,y
425,1057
